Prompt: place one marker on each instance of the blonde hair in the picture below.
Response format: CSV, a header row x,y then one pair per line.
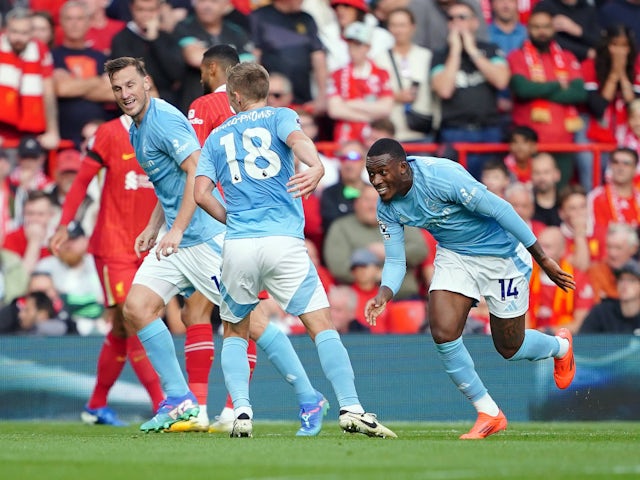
x,y
249,79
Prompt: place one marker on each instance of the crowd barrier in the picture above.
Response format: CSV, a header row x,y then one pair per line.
x,y
399,377
464,149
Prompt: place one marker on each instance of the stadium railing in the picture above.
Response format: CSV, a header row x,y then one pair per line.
x,y
464,149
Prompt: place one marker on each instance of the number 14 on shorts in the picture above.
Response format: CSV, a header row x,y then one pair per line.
x,y
507,289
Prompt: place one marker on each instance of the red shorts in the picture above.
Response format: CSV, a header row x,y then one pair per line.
x,y
116,275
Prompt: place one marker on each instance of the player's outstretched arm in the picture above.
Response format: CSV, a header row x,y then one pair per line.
x,y
561,278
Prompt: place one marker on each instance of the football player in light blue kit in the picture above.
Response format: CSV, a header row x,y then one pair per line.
x,y
482,250
168,149
251,155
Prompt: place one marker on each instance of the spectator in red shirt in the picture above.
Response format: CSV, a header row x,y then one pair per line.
x,y
360,92
26,107
30,241
551,308
547,86
366,270
619,199
523,145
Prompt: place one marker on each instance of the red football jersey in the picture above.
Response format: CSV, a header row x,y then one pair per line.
x,y
209,111
127,198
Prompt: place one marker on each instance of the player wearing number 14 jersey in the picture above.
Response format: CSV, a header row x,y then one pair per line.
x,y
482,251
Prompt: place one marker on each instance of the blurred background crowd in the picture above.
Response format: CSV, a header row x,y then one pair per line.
x,y
537,98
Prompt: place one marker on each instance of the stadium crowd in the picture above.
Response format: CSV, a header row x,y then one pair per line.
x,y
429,73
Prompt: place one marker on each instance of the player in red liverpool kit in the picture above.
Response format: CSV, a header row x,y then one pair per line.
x,y
125,207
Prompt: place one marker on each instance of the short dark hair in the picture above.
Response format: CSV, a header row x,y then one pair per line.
x,y
495,164
568,190
383,124
387,146
43,302
113,66
35,195
527,132
627,150
222,53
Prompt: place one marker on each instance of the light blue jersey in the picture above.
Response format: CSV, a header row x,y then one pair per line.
x,y
249,156
460,213
164,139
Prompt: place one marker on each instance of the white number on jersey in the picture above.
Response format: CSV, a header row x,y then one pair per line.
x,y
274,164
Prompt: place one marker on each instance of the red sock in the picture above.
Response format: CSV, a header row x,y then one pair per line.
x,y
199,352
111,361
252,356
144,370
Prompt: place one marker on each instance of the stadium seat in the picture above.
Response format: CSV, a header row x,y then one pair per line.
x,y
406,316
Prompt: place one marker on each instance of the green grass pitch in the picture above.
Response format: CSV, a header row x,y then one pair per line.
x,y
541,451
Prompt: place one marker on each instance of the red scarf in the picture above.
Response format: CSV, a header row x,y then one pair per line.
x,y
616,206
22,87
540,111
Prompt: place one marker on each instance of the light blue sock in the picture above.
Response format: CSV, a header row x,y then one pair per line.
x,y
459,365
158,344
280,352
235,368
337,367
536,346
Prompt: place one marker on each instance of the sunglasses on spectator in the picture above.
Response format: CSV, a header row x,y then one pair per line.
x,y
350,156
460,16
277,95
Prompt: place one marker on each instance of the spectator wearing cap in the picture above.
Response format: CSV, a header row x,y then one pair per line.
x,y
467,76
26,107
366,271
75,276
67,167
337,199
621,315
31,239
346,13
360,92
286,41
360,230
27,176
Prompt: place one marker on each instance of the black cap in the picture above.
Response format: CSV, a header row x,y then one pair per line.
x,y
29,147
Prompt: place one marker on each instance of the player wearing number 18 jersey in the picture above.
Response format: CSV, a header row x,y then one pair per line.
x,y
251,155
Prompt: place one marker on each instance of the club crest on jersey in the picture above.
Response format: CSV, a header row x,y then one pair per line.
x,y
384,231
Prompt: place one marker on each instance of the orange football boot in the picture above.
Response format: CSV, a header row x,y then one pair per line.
x,y
564,369
486,425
